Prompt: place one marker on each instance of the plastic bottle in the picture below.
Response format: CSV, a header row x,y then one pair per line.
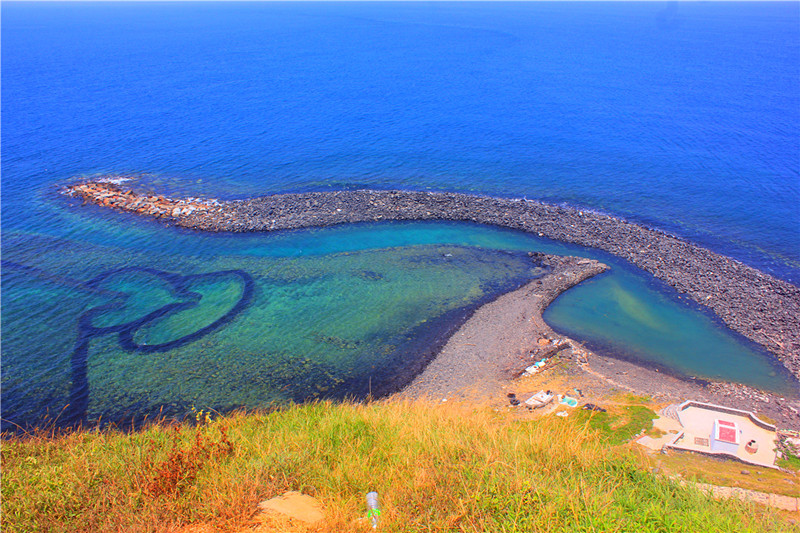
x,y
373,509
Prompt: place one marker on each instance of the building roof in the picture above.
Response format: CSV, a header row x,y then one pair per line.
x,y
726,431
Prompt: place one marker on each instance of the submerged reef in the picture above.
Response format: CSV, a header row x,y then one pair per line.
x,y
128,321
761,307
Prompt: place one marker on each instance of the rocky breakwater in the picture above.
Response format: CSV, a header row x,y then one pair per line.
x,y
108,194
757,305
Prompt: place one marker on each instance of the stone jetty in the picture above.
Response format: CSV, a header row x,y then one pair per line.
x,y
759,306
109,194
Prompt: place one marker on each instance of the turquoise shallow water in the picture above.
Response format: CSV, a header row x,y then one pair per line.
x,y
121,333
628,317
122,342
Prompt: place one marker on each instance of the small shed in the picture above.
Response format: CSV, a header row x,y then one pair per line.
x,y
725,437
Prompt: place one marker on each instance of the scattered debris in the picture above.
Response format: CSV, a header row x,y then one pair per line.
x,y
593,407
568,401
540,399
536,367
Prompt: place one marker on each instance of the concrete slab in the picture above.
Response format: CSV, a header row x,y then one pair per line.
x,y
671,430
698,420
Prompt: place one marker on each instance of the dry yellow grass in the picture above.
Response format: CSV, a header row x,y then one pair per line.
x,y
451,467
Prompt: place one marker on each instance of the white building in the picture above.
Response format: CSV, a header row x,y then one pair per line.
x,y
725,437
717,430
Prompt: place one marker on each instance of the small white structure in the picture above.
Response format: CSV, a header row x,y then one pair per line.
x,y
717,430
540,399
725,437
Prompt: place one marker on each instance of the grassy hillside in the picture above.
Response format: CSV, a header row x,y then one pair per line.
x,y
436,468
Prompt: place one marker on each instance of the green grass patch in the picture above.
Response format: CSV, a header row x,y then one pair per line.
x,y
618,425
436,468
631,398
792,462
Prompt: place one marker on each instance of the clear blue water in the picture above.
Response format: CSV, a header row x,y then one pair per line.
x,y
684,116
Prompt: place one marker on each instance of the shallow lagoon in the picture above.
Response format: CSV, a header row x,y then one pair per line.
x,y
336,312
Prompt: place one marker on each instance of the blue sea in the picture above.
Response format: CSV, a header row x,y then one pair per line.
x,y
684,116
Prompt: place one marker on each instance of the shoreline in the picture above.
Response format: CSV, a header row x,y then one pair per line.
x,y
759,306
484,357
495,343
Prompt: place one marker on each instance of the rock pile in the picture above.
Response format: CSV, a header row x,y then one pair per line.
x,y
109,194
